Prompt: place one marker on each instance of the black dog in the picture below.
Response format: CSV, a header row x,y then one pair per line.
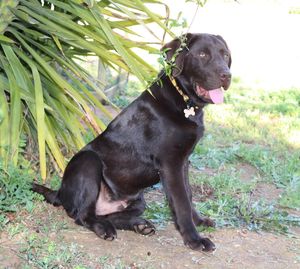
x,y
149,141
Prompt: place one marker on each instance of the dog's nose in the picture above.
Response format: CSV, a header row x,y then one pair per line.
x,y
225,76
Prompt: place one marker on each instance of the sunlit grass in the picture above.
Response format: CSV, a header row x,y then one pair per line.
x,y
258,117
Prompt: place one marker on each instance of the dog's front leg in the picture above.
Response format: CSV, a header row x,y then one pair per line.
x,y
173,179
198,221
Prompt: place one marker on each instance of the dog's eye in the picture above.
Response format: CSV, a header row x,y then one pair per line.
x,y
202,54
226,56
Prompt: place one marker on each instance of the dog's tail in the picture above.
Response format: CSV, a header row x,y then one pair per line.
x,y
50,195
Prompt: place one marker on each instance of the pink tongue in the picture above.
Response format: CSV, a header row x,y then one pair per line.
x,y
216,96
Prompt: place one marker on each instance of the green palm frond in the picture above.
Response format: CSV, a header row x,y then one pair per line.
x,y
39,39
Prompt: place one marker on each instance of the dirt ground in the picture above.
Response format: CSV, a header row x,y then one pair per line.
x,y
236,248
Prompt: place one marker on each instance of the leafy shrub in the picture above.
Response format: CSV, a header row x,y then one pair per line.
x,y
15,190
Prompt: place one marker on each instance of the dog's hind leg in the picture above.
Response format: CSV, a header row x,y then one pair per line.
x,y
79,192
130,218
99,225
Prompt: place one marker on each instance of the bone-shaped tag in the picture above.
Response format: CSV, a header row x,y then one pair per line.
x,y
189,112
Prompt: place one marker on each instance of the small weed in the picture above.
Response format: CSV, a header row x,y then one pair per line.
x,y
158,213
206,154
3,220
225,182
41,252
55,182
291,196
109,263
278,167
230,211
233,204
15,191
103,260
14,229
51,224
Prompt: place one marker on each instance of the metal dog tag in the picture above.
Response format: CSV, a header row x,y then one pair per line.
x,y
189,112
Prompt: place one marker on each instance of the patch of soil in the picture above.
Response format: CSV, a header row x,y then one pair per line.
x,y
202,192
154,194
247,172
267,192
236,248
205,170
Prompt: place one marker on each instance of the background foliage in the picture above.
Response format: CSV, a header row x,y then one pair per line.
x,y
45,95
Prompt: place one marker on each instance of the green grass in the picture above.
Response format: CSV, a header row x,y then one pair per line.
x,y
158,212
41,252
255,116
291,197
234,205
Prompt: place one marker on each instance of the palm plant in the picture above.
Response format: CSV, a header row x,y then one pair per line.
x,y
39,39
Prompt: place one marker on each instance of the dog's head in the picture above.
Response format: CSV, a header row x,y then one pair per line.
x,y
201,64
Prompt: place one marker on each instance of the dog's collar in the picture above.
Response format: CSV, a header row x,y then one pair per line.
x,y
190,107
184,96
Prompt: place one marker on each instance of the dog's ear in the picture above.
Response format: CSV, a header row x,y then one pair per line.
x,y
224,42
175,51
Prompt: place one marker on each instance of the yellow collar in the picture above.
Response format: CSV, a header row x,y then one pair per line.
x,y
190,109
184,96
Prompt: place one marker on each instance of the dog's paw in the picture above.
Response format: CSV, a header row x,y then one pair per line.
x,y
109,236
145,228
106,232
203,244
